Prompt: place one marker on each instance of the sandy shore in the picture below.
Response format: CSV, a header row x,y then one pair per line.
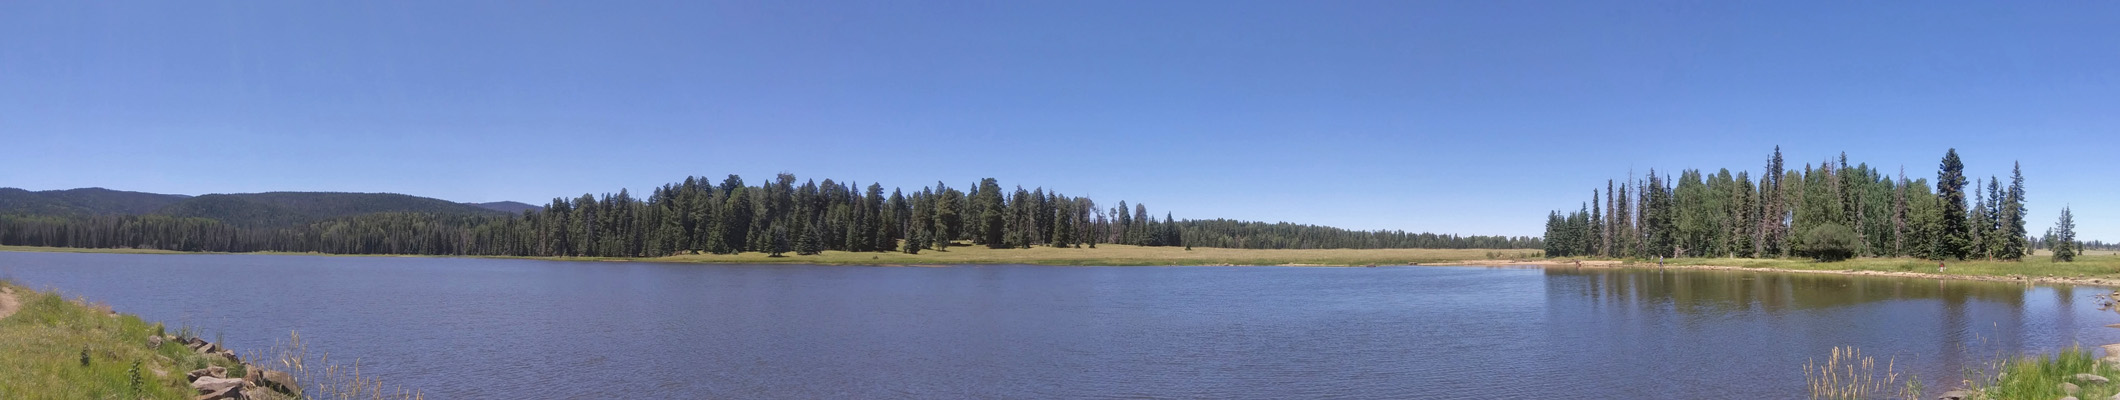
x,y
2105,282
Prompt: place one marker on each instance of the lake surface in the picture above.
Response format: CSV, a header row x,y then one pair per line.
x,y
505,329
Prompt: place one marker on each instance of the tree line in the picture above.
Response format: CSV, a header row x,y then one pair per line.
x,y
1283,235
699,215
1830,210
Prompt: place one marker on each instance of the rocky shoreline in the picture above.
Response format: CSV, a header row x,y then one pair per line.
x,y
213,382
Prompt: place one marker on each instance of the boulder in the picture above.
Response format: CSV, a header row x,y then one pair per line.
x,y
230,355
2069,388
228,393
154,342
210,385
223,394
280,381
208,372
252,374
2089,378
1955,395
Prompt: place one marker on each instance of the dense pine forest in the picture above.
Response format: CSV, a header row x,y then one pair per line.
x,y
783,216
1829,211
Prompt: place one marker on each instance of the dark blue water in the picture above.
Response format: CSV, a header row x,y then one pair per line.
x,y
506,329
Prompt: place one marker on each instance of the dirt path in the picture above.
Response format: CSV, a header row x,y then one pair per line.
x,y
8,304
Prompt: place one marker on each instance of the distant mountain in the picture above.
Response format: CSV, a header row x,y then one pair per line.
x,y
510,207
84,201
294,208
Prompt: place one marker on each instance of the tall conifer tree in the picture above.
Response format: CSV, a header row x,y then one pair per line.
x,y
1956,240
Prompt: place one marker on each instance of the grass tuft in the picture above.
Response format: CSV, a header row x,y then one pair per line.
x,y
321,378
2040,377
1849,375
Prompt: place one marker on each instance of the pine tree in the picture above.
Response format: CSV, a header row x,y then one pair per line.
x,y
897,219
736,219
1605,231
1627,239
780,242
1997,235
1554,236
808,242
875,222
1659,218
1142,224
1021,225
2062,240
1597,234
1956,240
992,214
1742,204
1063,224
949,216
1772,215
2016,245
1979,226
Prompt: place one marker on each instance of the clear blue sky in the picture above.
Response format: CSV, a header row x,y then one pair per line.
x,y
1474,117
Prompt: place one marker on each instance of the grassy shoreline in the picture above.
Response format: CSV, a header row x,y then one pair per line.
x,y
60,348
53,347
2100,268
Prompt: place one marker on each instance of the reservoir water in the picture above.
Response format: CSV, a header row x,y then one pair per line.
x,y
511,329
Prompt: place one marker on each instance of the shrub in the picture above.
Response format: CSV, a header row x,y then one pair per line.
x,y
1830,242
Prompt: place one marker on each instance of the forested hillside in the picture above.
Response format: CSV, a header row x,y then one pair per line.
x,y
83,202
278,209
1828,210
697,215
510,207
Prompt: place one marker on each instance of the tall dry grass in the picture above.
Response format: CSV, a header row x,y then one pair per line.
x,y
1849,375
321,378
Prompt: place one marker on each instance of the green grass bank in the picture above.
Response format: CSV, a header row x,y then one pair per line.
x,y
57,348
